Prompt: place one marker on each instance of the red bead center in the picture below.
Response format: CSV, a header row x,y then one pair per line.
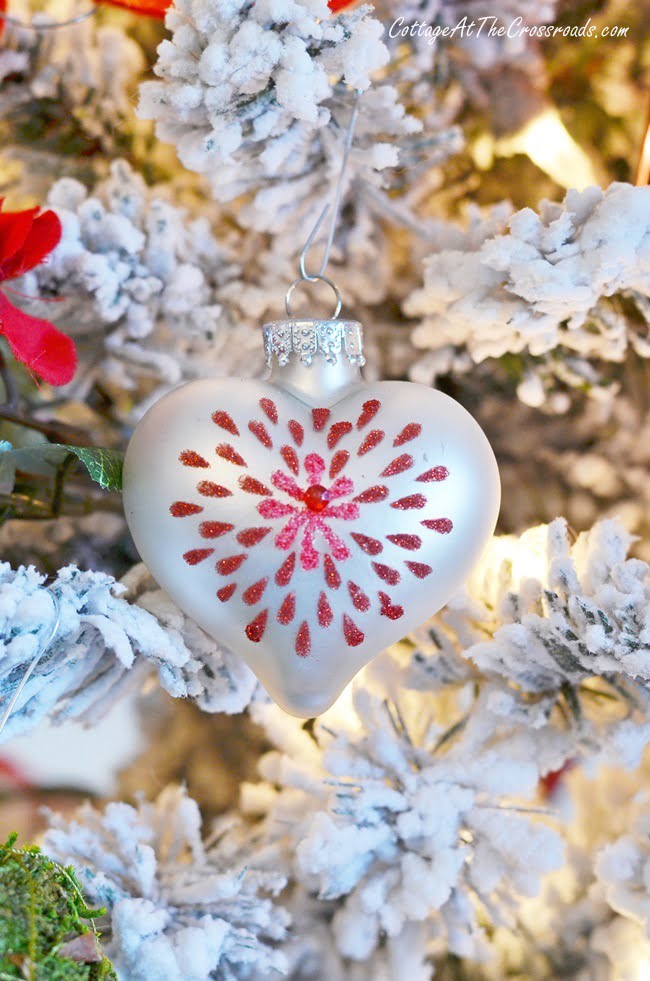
x,y
316,498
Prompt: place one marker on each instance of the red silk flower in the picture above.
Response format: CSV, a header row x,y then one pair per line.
x,y
158,8
26,238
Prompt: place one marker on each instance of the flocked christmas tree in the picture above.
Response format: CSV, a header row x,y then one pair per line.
x,y
476,804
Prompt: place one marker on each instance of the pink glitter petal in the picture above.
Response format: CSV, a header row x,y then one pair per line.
x,y
340,551
358,597
388,609
191,459
214,529
315,467
252,536
340,488
226,592
419,569
229,453
225,421
411,431
287,611
332,577
410,542
285,572
442,525
373,439
370,409
353,635
290,457
374,494
196,555
325,615
275,509
303,640
259,430
436,473
253,486
320,417
297,431
347,510
337,432
226,567
388,575
208,489
254,593
398,465
255,629
368,545
287,536
269,407
182,509
416,501
339,460
287,484
309,556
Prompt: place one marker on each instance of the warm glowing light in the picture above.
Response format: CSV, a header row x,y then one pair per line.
x,y
548,143
642,970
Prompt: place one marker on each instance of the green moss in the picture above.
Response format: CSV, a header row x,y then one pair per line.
x,y
42,910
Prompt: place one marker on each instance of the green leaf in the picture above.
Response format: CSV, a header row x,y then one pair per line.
x,y
103,465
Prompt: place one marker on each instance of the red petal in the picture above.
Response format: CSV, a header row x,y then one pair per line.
x,y
38,344
14,229
3,8
43,235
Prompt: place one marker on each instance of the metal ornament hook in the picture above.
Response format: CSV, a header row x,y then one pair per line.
x,y
28,673
311,279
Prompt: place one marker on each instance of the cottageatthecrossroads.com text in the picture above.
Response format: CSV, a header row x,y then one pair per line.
x,y
490,26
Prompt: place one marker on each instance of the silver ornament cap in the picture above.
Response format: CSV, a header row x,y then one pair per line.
x,y
301,340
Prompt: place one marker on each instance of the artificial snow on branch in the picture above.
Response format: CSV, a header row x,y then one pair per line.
x,y
566,281
178,907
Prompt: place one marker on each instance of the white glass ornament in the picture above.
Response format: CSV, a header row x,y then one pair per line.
x,y
310,520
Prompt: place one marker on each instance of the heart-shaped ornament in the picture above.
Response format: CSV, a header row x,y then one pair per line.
x,y
309,521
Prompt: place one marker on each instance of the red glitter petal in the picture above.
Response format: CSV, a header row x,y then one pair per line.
x,y
290,457
255,629
377,493
419,569
368,545
391,576
253,486
410,542
320,417
339,460
373,439
259,429
225,421
296,431
254,593
370,409
436,473
226,567
352,633
285,572
196,555
287,611
416,501
332,577
191,459
325,615
208,489
358,597
226,592
337,432
269,407
181,509
387,608
214,529
252,536
410,431
303,640
229,453
442,525
398,465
